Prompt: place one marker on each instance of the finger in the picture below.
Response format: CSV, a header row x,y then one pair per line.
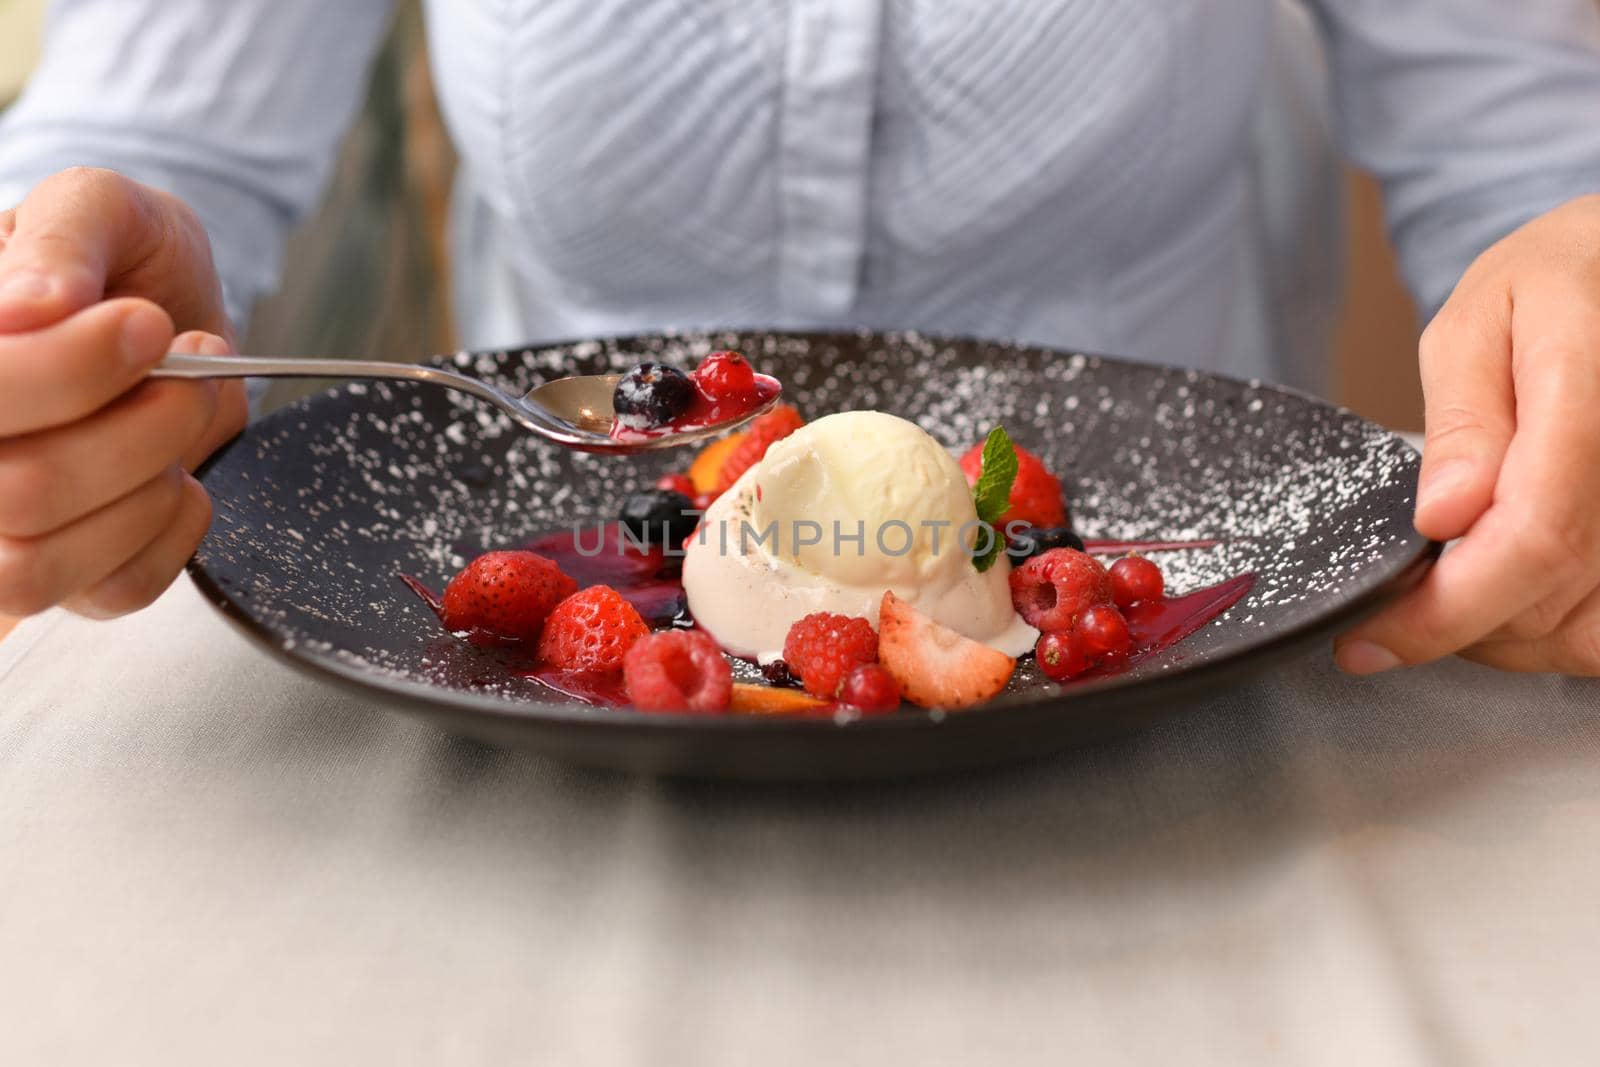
x,y
1538,538
138,582
233,408
233,412
38,573
1573,648
1471,590
1543,618
1465,359
61,374
50,479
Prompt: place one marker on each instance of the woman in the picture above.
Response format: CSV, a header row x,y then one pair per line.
x,y
1066,171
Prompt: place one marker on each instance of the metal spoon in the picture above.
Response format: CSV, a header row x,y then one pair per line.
x,y
574,412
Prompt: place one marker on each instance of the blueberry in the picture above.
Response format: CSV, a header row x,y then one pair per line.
x,y
646,513
652,395
777,673
1036,541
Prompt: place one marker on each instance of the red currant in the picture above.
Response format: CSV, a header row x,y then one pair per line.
x,y
870,688
1134,579
1061,655
725,376
676,483
1103,631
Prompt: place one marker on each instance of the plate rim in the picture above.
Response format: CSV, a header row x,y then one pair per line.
x,y
1008,707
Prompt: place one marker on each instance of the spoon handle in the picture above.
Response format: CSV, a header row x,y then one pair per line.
x,y
182,365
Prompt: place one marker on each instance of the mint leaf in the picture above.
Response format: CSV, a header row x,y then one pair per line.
x,y
992,495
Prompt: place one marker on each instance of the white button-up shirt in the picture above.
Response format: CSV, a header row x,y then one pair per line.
x,y
1086,173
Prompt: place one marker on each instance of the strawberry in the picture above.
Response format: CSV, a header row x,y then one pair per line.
x,y
504,597
1035,494
935,666
761,435
677,670
591,630
1050,590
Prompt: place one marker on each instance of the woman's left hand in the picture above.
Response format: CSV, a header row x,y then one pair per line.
x,y
1511,373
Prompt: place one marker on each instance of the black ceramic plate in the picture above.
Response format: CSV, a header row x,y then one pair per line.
x,y
321,506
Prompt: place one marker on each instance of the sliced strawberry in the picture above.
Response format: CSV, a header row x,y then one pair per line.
x,y
761,435
1035,494
935,666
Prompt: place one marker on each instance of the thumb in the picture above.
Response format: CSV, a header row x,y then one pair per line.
x,y
60,245
1470,412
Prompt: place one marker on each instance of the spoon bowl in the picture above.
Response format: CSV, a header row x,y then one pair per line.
x,y
573,412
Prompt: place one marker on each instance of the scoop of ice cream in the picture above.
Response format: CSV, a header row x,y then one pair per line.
x,y
862,497
835,514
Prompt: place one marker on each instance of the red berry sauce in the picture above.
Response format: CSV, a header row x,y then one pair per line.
x,y
649,581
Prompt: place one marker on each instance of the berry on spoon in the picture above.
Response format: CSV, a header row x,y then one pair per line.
x,y
725,376
652,395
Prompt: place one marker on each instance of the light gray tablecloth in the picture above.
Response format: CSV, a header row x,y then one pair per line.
x,y
207,859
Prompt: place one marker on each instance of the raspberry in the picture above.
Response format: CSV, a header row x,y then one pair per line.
x,y
1103,632
725,376
504,597
651,395
761,435
1134,579
677,670
1050,590
823,648
591,630
1061,656
1035,494
870,688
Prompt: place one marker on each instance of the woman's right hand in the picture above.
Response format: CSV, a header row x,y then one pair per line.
x,y
100,277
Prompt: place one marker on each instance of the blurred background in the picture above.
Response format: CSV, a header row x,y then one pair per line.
x,y
366,278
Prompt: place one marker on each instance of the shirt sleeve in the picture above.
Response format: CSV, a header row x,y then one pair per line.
x,y
234,106
1477,116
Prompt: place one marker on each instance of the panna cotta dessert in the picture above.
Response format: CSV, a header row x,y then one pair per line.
x,y
833,515
856,560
